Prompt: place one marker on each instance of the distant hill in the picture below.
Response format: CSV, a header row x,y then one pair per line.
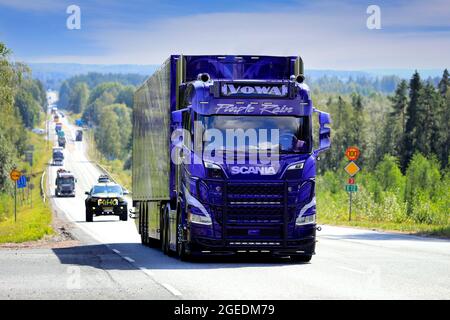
x,y
52,74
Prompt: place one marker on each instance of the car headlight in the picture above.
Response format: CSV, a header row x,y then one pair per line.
x,y
296,166
303,220
198,217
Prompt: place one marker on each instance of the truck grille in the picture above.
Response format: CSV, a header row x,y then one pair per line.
x,y
253,210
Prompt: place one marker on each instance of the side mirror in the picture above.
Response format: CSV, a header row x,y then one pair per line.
x,y
125,192
324,131
87,193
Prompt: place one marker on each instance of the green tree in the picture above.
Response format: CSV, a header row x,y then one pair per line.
x,y
107,134
28,108
444,84
422,176
78,97
126,96
412,119
64,95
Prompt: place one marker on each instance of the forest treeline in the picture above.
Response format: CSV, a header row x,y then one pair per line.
x,y
23,103
404,140
104,102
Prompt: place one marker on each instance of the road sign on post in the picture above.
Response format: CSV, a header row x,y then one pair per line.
x,y
352,154
22,182
15,175
352,168
351,187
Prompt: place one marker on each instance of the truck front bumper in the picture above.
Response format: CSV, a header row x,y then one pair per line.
x,y
304,245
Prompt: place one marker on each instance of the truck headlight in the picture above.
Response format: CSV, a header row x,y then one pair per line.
x,y
303,220
210,165
196,216
213,170
295,166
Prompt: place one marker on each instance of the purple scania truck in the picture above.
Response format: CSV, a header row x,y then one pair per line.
x,y
223,157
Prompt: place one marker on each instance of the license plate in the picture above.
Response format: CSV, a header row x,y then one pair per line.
x,y
108,209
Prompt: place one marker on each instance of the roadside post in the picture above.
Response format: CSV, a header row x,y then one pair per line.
x,y
15,175
352,154
29,159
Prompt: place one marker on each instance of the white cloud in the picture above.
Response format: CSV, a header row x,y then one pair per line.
x,y
325,42
325,36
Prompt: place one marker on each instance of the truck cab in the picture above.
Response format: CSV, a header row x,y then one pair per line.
x,y
65,184
241,173
58,156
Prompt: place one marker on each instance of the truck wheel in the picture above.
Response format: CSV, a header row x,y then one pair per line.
x,y
89,216
181,245
302,259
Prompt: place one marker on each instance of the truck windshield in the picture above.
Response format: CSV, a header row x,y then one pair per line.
x,y
107,189
65,180
293,132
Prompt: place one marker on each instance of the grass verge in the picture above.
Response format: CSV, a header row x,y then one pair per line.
x,y
33,223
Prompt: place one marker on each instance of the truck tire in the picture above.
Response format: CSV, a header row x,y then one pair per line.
x,y
89,216
302,259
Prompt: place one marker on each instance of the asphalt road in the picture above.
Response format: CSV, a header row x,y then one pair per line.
x,y
111,263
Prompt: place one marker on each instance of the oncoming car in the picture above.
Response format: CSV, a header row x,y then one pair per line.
x,y
106,199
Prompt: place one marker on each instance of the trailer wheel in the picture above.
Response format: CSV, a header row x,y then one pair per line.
x,y
89,215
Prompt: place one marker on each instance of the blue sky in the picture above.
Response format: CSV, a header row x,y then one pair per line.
x,y
328,34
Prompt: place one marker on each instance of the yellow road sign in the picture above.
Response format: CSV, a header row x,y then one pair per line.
x,y
15,175
352,168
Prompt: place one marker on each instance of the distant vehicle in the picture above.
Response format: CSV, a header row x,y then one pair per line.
x,y
106,199
79,135
62,115
38,131
58,127
65,183
58,156
103,178
62,141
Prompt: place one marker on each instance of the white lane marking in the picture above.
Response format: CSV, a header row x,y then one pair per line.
x,y
147,272
129,259
172,290
116,251
351,270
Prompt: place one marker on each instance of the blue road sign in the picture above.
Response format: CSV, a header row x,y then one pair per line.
x,y
22,182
